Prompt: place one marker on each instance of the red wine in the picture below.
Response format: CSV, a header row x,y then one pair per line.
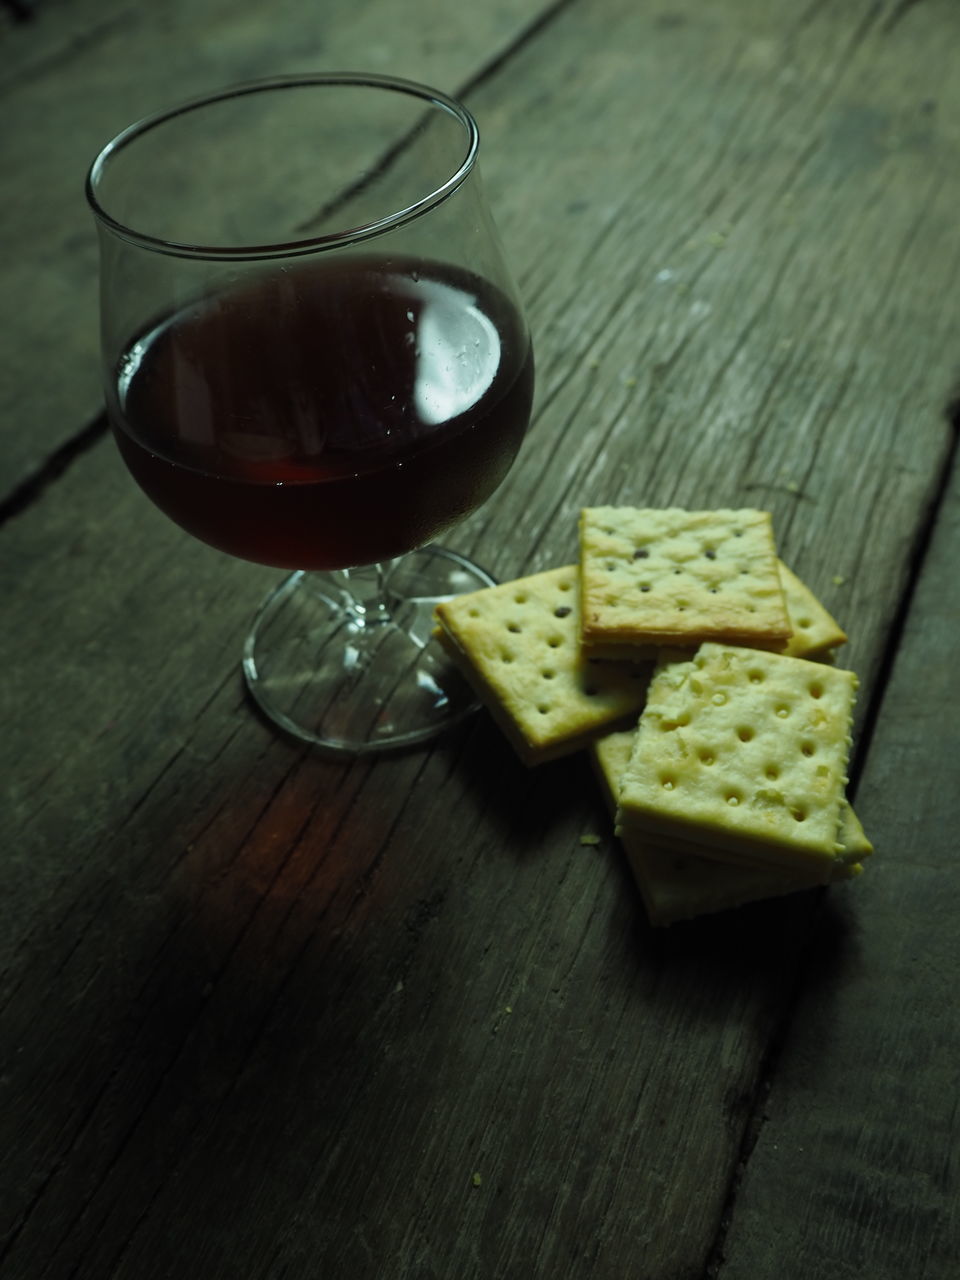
x,y
327,415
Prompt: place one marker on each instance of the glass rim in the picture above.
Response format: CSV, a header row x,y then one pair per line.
x,y
300,245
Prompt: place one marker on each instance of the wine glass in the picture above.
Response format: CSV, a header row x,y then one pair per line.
x,y
314,358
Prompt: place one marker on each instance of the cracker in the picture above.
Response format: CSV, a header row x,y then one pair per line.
x,y
742,754
816,873
681,886
675,578
517,643
815,631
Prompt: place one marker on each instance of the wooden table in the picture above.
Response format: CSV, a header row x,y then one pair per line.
x,y
268,1015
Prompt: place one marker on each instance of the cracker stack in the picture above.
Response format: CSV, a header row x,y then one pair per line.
x,y
741,756
681,886
730,786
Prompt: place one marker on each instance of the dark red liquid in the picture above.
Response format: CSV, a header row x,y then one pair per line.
x,y
330,415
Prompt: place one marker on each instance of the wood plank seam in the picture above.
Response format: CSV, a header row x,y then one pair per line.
x,y
756,1116
529,33
89,38
894,637
897,14
35,486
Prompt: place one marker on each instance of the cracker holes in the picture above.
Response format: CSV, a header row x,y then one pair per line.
x,y
548,673
805,623
755,675
562,611
719,699
473,613
641,553
710,553
771,772
706,757
798,813
514,627
745,733
590,691
554,641
644,586
521,598
668,781
816,689
544,708
807,748
732,798
507,656
565,585
782,710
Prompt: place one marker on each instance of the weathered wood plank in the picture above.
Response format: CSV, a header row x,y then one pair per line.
x,y
855,1168
120,62
258,1000
725,291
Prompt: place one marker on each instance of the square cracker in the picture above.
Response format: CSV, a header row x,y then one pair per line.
x,y
742,755
815,631
681,886
517,643
671,577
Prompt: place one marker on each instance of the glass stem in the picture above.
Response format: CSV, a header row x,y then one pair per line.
x,y
363,594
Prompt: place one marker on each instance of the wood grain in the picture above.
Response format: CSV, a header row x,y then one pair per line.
x,y
268,1014
725,319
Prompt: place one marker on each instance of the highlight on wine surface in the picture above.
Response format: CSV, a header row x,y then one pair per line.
x,y
314,357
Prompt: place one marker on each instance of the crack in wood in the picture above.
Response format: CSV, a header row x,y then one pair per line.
x,y
756,1117
898,13
755,1100
89,37
36,486
384,164
921,546
525,37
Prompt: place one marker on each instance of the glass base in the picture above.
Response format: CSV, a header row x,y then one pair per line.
x,y
347,660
